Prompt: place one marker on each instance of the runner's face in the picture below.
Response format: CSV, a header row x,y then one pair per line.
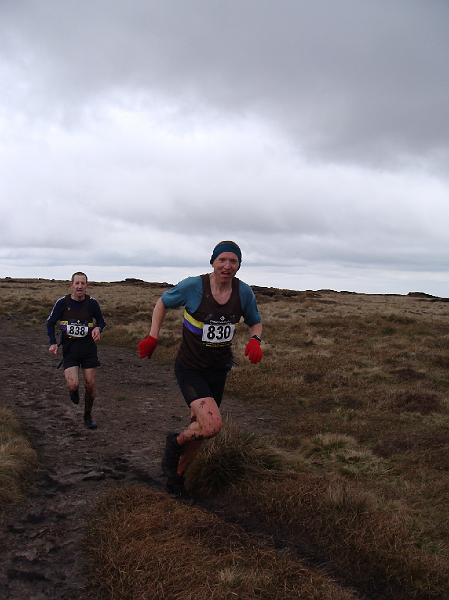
x,y
79,286
225,266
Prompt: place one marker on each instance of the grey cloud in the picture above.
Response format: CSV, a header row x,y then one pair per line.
x,y
349,81
311,133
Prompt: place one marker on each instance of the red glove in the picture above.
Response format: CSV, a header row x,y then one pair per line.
x,y
147,346
253,351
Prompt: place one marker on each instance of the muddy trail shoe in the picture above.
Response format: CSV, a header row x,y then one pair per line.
x,y
89,422
175,486
75,397
171,455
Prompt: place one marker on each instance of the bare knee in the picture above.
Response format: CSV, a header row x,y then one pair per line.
x,y
71,378
212,427
90,388
206,420
72,383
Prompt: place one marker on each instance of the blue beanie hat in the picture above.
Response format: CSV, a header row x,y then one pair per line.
x,y
226,246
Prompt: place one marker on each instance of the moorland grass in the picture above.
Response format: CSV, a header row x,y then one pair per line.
x,y
369,370
230,458
367,540
17,459
143,545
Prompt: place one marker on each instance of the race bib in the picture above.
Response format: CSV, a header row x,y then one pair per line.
x,y
218,333
77,330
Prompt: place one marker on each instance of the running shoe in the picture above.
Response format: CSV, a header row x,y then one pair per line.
x,y
89,422
171,455
175,486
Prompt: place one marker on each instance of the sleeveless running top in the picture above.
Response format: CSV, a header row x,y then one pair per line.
x,y
208,331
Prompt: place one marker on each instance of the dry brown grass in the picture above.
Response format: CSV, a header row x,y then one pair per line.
x,y
369,367
17,459
368,541
230,458
144,545
358,388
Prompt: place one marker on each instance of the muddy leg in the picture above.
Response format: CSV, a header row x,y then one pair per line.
x,y
72,380
89,382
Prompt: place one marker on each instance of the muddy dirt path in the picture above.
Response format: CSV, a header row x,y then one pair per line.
x,y
138,402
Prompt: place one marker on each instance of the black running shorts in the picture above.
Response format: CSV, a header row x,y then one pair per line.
x,y
205,383
80,354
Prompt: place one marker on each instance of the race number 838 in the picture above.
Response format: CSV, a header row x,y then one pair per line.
x,y
77,330
217,334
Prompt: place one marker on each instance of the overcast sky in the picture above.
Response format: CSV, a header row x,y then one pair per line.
x,y
135,135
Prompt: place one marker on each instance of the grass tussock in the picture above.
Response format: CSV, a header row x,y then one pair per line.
x,y
231,457
368,541
144,545
17,459
418,401
333,452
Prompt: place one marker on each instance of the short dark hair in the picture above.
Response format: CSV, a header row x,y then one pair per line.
x,y
78,273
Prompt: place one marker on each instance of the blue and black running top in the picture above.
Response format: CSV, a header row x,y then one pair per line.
x,y
209,327
75,318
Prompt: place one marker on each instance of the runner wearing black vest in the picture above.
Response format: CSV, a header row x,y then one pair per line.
x,y
213,305
81,322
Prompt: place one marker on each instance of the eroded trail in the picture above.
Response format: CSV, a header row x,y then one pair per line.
x,y
138,402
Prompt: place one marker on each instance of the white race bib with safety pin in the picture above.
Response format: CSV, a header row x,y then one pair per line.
x,y
77,330
218,333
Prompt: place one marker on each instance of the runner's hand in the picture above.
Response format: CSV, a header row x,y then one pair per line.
x,y
147,346
253,351
53,349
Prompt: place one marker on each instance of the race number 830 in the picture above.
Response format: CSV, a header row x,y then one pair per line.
x,y
217,334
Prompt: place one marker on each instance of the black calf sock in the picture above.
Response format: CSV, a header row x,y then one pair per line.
x,y
75,397
88,404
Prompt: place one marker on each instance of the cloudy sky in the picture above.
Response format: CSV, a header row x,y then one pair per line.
x,y
135,135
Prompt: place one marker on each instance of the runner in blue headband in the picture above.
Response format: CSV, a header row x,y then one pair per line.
x,y
214,304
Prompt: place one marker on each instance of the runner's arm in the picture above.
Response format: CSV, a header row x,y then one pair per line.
x,y
157,319
187,292
256,329
99,321
253,320
251,313
98,315
53,318
178,296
